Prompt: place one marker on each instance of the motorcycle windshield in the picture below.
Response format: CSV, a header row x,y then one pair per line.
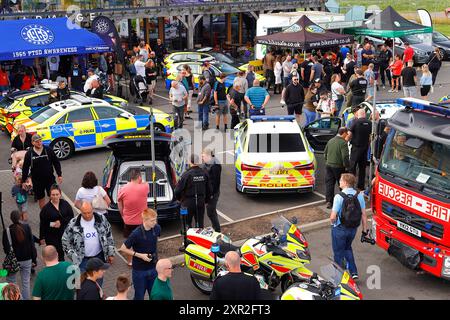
x,y
332,273
282,225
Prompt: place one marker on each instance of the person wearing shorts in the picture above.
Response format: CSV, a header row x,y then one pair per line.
x,y
220,100
38,164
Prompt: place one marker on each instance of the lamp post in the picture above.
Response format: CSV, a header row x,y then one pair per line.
x,y
152,143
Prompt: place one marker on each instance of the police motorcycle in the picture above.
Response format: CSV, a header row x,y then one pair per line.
x,y
335,284
279,258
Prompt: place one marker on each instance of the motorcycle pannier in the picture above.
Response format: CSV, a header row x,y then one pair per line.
x,y
198,260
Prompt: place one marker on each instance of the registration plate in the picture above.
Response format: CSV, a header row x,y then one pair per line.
x,y
410,229
279,172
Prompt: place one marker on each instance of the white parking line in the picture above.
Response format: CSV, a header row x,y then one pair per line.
x,y
165,98
6,171
319,194
121,256
224,216
276,211
65,197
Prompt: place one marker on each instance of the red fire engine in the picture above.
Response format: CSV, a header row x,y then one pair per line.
x,y
411,191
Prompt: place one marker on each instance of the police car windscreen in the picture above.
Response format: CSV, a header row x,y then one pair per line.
x,y
275,142
43,114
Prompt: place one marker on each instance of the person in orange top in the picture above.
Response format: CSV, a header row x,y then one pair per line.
x,y
4,81
28,80
396,69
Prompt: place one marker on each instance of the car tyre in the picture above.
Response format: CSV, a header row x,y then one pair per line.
x,y
63,148
158,127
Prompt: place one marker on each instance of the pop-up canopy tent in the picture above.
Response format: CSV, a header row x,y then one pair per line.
x,y
34,38
306,35
389,24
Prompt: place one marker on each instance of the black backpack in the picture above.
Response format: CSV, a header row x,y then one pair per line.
x,y
351,210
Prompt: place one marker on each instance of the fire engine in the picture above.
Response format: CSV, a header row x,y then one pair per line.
x,y
411,190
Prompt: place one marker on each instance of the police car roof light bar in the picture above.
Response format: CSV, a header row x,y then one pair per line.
x,y
272,118
441,108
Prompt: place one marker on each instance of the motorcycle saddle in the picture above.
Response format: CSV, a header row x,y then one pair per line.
x,y
226,247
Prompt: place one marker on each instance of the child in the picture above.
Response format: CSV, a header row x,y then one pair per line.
x,y
21,196
325,107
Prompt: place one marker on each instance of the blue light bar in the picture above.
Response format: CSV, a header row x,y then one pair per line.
x,y
272,118
441,108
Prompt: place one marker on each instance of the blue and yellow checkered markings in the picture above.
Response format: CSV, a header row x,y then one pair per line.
x,y
85,140
107,125
142,121
61,131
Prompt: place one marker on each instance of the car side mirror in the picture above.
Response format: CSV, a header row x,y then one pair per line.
x,y
124,115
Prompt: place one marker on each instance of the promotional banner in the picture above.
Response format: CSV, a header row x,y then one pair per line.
x,y
34,38
106,30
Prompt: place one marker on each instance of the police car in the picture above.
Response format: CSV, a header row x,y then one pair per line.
x,y
77,124
272,155
385,109
21,104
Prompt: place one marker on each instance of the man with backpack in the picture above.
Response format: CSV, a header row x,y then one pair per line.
x,y
349,210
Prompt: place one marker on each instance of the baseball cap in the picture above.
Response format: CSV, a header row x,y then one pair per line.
x,y
36,137
91,70
317,80
95,264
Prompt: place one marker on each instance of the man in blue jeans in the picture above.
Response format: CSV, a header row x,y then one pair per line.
x,y
203,100
142,245
341,236
257,97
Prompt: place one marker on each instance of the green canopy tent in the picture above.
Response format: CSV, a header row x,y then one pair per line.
x,y
389,24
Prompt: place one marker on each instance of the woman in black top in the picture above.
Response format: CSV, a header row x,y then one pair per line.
x,y
90,289
434,63
23,139
54,217
22,244
190,80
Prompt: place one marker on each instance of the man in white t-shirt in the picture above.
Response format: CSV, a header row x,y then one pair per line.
x,y
91,77
140,66
87,236
178,96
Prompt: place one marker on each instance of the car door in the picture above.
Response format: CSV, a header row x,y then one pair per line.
x,y
105,122
321,131
240,135
80,124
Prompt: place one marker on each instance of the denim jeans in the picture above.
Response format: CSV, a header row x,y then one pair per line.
x,y
338,104
143,281
311,116
25,278
342,239
203,114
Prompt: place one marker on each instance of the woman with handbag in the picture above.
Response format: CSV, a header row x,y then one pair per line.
x,y
18,246
91,192
434,63
54,217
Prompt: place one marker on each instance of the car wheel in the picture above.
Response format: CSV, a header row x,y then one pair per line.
x,y
157,127
63,148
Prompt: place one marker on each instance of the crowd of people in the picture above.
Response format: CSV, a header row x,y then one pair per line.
x,y
85,241
316,85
